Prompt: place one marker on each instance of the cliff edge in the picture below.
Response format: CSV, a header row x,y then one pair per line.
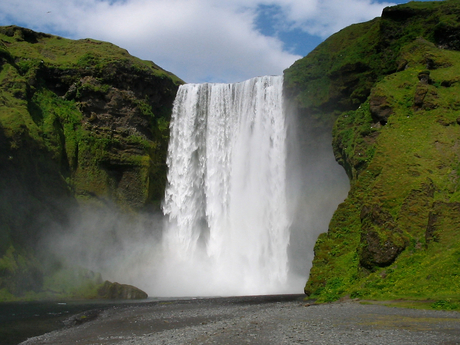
x,y
389,89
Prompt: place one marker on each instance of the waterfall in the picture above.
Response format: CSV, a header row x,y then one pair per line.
x,y
228,228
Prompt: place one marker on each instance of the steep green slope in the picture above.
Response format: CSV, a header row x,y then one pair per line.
x,y
80,122
392,87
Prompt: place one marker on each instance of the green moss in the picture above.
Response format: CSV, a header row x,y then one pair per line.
x,y
398,142
60,123
85,53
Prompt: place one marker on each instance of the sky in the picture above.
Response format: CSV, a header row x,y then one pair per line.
x,y
199,40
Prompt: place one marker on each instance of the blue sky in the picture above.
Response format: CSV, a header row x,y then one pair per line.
x,y
199,40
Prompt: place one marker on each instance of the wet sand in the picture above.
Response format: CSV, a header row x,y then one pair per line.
x,y
283,319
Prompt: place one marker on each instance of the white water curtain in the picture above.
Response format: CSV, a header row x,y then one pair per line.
x,y
228,229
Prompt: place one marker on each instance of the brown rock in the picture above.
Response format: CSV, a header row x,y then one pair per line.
x,y
380,109
425,97
115,290
381,240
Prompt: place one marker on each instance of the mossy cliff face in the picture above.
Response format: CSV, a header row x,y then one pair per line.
x,y
392,87
80,122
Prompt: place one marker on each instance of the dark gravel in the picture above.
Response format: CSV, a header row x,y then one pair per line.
x,y
260,320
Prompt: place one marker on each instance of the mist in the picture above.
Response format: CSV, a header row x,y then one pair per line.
x,y
316,185
153,252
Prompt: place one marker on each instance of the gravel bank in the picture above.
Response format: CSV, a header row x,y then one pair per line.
x,y
257,320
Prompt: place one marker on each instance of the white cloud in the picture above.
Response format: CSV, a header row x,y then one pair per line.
x,y
323,18
199,40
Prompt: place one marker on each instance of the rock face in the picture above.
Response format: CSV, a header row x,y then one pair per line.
x,y
389,90
81,122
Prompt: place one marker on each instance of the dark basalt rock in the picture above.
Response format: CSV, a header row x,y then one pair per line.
x,y
380,109
115,290
378,250
80,318
381,240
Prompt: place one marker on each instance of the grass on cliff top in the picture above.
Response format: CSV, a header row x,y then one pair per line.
x,y
56,51
311,79
338,74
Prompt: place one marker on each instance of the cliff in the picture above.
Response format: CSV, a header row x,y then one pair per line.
x,y
81,123
389,88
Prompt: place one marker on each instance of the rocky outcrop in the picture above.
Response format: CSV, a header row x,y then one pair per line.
x,y
115,290
380,109
381,240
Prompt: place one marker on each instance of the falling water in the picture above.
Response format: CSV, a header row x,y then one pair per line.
x,y
228,229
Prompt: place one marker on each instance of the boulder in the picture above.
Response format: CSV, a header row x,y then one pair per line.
x,y
110,290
